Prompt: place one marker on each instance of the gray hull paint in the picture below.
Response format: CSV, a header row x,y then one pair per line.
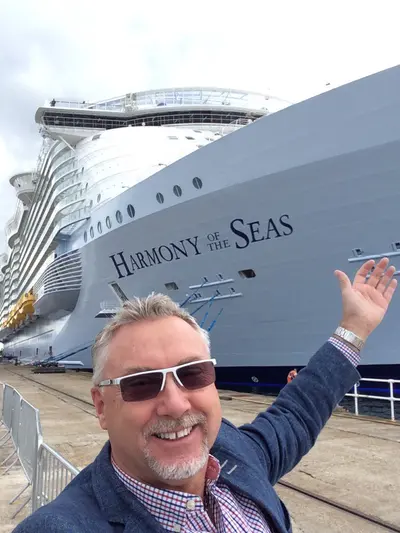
x,y
331,164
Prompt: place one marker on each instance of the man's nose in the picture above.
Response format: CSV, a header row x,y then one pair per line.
x,y
173,400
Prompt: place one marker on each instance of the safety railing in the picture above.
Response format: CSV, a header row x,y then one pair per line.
x,y
52,476
390,398
47,472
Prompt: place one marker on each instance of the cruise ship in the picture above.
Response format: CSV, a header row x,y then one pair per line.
x,y
238,205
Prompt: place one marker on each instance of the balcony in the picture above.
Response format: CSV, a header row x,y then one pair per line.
x,y
13,224
59,286
24,187
3,262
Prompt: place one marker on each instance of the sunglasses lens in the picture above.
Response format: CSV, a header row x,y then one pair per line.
x,y
197,376
140,388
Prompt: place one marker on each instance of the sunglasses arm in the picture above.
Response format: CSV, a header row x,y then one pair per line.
x,y
107,382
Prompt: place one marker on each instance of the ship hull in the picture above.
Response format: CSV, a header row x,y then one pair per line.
x,y
290,211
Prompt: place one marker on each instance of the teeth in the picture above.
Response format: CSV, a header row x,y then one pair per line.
x,y
174,436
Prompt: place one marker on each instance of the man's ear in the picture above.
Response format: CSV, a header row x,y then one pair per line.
x,y
98,401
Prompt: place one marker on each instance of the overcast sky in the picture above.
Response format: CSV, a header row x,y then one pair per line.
x,y
80,50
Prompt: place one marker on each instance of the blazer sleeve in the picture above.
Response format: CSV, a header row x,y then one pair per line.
x,y
288,429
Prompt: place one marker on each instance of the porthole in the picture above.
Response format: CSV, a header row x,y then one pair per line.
x,y
91,231
197,183
85,236
99,228
86,186
177,190
98,198
131,210
160,198
108,222
90,203
118,216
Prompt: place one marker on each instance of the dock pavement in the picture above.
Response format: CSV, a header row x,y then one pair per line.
x,y
355,460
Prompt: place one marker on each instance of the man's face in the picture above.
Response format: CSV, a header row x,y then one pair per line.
x,y
132,426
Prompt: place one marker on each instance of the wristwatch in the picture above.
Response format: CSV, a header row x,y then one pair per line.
x,y
350,337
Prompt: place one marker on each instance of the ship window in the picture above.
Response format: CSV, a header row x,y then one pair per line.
x,y
197,183
171,286
90,203
95,137
86,186
177,190
108,222
173,137
248,273
160,198
91,231
357,252
85,236
99,228
131,210
98,198
190,138
118,216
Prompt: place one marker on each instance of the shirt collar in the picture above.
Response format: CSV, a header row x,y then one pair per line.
x,y
169,507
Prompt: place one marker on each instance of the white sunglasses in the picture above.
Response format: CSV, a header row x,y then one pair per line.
x,y
147,385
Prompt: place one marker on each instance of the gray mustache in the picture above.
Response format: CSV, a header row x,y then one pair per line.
x,y
170,426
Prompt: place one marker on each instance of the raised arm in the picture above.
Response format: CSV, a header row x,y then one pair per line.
x,y
284,433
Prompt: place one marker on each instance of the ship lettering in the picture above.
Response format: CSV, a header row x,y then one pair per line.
x,y
253,231
157,255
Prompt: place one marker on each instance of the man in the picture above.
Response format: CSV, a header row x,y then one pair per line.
x,y
171,462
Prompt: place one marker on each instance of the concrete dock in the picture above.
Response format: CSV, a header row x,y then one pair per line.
x,y
355,461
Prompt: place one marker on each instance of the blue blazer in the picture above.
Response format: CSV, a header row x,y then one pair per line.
x,y
262,451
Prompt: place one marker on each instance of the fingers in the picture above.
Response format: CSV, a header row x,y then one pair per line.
x,y
388,294
363,271
385,279
380,278
378,273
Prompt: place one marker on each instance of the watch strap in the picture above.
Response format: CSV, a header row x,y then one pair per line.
x,y
350,337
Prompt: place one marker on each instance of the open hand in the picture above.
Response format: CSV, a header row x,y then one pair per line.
x,y
365,302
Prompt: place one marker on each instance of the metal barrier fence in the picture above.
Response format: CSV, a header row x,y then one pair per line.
x,y
391,398
47,472
52,476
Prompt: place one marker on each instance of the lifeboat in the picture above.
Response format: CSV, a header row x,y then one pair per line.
x,y
24,307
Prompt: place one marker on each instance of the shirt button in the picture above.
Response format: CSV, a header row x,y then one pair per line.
x,y
177,528
190,505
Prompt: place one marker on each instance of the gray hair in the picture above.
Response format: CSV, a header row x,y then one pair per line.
x,y
135,310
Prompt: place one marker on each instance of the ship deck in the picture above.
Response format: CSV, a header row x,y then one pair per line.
x,y
353,462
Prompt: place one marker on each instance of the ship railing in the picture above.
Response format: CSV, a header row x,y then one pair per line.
x,y
392,398
109,306
190,96
45,470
